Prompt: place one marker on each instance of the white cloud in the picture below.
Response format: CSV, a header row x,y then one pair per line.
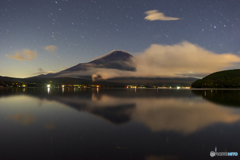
x,y
51,49
154,15
25,54
181,60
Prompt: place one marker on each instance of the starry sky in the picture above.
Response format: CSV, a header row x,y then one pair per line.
x,y
43,36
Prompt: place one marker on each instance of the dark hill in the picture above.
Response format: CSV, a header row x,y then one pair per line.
x,y
221,79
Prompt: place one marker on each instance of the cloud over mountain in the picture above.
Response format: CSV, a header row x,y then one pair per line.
x,y
180,60
183,59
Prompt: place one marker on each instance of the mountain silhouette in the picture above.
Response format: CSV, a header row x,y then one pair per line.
x,y
116,59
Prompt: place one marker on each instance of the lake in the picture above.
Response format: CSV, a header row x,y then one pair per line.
x,y
118,124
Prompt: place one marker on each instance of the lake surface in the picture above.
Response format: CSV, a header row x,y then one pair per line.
x,y
121,124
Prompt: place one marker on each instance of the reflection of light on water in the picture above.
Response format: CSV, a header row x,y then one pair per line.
x,y
24,119
48,90
62,90
97,90
135,90
24,89
49,126
74,89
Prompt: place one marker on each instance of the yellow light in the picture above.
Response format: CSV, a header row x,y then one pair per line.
x,y
48,86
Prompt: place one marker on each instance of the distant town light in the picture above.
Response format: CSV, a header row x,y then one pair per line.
x,y
48,86
178,87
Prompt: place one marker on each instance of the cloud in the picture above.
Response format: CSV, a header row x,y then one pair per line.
x,y
154,15
25,54
51,49
184,59
41,71
180,60
24,119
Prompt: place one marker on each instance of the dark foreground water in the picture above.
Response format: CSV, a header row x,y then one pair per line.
x,y
118,124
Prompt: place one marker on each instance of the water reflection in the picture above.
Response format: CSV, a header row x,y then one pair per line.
x,y
49,126
118,124
48,90
159,114
164,112
167,157
222,97
181,115
21,118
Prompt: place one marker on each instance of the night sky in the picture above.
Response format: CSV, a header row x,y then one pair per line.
x,y
52,35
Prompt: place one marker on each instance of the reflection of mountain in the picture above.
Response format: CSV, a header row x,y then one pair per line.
x,y
166,110
223,97
116,113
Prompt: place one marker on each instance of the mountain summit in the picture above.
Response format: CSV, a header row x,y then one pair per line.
x,y
113,56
